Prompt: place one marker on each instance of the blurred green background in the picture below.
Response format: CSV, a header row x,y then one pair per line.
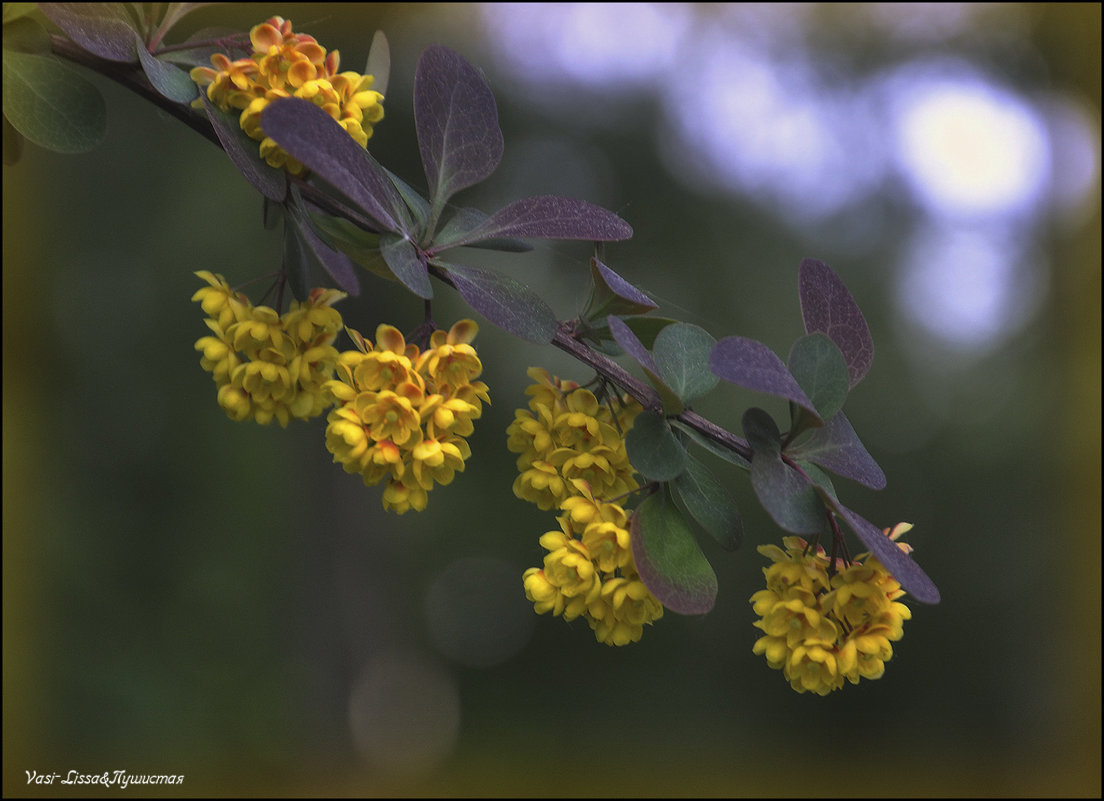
x,y
184,594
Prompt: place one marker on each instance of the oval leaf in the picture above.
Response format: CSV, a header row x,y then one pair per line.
x,y
837,447
709,503
379,62
507,303
550,217
821,372
317,140
612,294
104,29
784,493
168,79
753,365
653,448
407,265
899,564
51,104
681,352
337,264
245,154
24,34
668,558
626,339
457,123
827,307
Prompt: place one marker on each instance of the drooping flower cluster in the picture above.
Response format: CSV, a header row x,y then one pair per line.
x,y
287,64
572,457
568,434
268,366
589,571
403,414
821,629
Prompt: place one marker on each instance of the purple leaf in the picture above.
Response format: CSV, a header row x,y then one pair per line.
x,y
626,339
836,447
550,217
244,152
340,267
638,301
827,307
899,564
103,29
753,365
321,144
406,264
457,122
628,342
507,303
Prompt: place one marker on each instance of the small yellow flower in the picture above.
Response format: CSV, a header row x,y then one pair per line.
x,y
589,571
821,629
288,64
268,366
568,431
409,428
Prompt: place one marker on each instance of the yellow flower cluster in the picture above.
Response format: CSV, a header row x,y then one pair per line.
x,y
568,434
573,458
821,629
268,366
402,413
287,64
589,571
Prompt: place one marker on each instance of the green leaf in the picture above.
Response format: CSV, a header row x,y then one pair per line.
x,y
407,265
711,504
360,245
104,29
822,482
623,336
681,354
647,329
52,105
418,205
653,448
668,558
711,446
25,35
507,303
821,371
786,495
168,79
14,11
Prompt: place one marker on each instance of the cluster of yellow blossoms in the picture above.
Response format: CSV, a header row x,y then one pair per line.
x,y
822,629
573,457
268,366
568,434
287,64
402,413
